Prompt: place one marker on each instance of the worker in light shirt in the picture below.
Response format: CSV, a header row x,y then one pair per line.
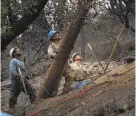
x,y
75,76
16,81
53,49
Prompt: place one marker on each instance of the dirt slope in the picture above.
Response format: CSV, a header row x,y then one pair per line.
x,y
111,95
114,97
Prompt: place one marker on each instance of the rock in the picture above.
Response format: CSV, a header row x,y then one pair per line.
x,y
82,103
129,60
126,107
101,80
6,83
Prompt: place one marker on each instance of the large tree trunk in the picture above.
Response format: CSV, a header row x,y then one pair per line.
x,y
22,24
56,69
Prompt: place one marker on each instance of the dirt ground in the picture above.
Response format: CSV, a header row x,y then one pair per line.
x,y
113,94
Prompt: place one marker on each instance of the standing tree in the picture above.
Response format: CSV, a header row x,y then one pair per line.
x,y
20,25
123,9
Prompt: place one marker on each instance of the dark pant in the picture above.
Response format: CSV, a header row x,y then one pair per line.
x,y
67,85
16,88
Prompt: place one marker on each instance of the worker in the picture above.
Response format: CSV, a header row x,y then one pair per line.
x,y
16,81
76,75
54,37
53,49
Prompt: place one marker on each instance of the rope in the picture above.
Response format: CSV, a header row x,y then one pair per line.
x,y
67,99
125,72
46,91
113,50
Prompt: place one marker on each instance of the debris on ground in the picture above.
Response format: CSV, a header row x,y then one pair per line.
x,y
112,94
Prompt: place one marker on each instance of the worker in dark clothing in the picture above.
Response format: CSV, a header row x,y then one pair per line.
x,y
16,82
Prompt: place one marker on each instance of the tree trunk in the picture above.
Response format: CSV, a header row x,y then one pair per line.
x,y
22,24
57,67
60,17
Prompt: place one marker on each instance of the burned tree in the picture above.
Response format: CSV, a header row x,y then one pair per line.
x,y
22,24
122,9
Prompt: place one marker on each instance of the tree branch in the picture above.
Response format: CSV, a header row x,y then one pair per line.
x,y
22,24
11,16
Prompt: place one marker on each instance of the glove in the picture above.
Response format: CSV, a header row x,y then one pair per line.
x,y
27,77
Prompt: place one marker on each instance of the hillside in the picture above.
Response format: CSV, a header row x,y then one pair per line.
x,y
101,31
112,94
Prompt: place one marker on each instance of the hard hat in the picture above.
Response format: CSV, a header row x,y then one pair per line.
x,y
11,51
51,34
75,55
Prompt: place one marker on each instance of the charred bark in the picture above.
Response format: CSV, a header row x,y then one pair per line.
x,y
57,67
22,24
